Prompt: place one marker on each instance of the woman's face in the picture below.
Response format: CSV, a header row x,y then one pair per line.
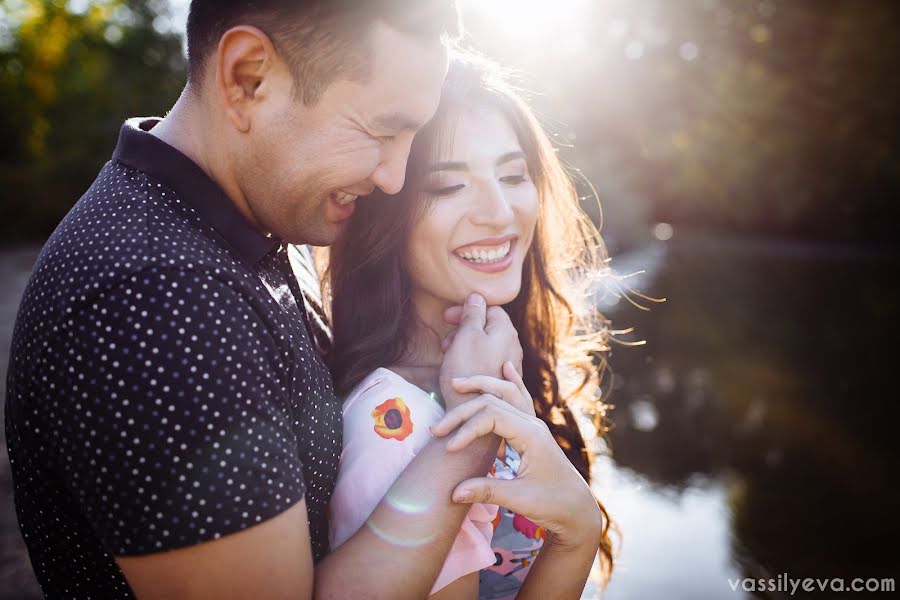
x,y
482,209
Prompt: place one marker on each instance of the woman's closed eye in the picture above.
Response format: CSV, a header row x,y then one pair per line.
x,y
445,191
513,179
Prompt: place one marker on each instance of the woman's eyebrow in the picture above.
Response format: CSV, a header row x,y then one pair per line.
x,y
510,156
461,166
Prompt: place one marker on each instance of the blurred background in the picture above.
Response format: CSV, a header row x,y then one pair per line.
x,y
746,154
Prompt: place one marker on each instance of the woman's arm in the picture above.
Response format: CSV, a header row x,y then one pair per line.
x,y
547,489
386,422
464,588
417,522
560,571
274,559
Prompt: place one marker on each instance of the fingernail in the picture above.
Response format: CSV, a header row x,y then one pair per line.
x,y
463,496
457,379
474,300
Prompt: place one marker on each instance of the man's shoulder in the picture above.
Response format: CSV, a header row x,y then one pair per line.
x,y
126,223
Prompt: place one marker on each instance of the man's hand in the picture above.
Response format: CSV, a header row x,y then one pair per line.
x,y
484,340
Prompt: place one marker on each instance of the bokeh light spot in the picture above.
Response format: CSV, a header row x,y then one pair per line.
x,y
689,51
663,231
760,33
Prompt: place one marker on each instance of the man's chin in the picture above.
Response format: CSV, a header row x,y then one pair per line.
x,y
326,235
311,231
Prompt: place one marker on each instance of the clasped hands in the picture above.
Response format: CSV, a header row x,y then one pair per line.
x,y
482,386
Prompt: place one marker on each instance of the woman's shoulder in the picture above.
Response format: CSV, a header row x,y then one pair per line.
x,y
384,386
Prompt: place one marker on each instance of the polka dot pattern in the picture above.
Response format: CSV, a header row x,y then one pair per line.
x,y
164,384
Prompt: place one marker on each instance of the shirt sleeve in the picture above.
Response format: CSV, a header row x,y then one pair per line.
x,y
178,430
386,424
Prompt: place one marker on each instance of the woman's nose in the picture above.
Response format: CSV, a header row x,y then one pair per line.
x,y
493,208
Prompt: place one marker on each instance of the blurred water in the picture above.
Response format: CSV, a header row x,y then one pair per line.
x,y
674,544
753,432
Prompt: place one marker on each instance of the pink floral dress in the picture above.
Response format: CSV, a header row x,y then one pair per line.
x,y
386,421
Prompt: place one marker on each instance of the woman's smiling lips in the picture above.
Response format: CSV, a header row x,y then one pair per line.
x,y
490,255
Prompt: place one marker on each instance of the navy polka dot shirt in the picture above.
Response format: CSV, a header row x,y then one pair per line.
x,y
165,387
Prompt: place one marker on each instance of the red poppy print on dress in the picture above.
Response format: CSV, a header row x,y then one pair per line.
x,y
392,420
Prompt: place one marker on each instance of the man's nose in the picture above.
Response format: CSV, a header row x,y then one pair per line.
x,y
391,173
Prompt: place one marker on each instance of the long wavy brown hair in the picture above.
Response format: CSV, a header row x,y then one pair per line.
x,y
564,339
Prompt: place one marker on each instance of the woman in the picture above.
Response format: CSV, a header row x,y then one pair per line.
x,y
487,208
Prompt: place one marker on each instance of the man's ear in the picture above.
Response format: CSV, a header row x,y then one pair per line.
x,y
246,58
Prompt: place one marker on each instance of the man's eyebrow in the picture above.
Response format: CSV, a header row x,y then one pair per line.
x,y
461,166
396,122
448,166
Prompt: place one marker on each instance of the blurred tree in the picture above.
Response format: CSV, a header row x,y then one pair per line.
x,y
736,116
767,117
70,72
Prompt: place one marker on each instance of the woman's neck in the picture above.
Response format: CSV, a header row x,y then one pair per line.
x,y
421,362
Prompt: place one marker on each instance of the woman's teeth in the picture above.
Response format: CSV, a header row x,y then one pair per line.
x,y
486,255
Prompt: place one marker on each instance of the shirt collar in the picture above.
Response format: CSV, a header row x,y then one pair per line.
x,y
145,152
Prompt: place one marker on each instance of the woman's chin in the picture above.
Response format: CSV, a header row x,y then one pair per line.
x,y
493,297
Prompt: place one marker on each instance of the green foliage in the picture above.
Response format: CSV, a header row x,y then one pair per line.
x,y
67,81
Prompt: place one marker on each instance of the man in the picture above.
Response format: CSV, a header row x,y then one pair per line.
x,y
173,431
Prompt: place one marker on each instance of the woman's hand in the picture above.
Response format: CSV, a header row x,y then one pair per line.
x,y
547,488
511,389
483,340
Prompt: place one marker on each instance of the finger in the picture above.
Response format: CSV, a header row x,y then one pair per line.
x,y
487,490
453,314
498,418
496,318
473,313
485,384
507,391
448,341
513,376
460,414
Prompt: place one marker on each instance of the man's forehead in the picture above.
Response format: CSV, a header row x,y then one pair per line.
x,y
407,75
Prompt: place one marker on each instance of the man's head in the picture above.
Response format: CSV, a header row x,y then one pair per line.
x,y
313,103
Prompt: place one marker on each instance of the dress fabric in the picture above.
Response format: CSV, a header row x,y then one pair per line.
x,y
386,420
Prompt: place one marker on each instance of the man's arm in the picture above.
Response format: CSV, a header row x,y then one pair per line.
x,y
398,555
274,559
401,549
409,534
269,560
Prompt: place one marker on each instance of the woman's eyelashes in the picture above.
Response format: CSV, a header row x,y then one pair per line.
x,y
445,191
440,190
513,179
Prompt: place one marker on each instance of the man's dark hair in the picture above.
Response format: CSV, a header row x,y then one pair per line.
x,y
320,40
